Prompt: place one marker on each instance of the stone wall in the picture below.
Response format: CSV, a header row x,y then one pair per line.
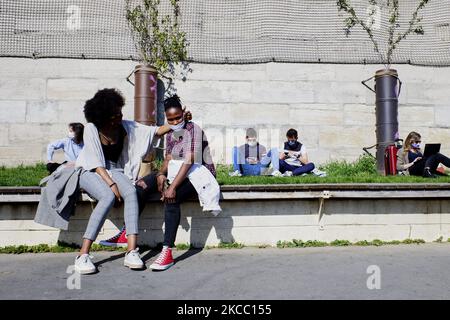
x,y
334,113
260,222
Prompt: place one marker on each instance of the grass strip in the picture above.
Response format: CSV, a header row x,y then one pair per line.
x,y
363,170
62,247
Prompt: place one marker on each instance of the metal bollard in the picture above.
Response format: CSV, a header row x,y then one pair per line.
x,y
387,89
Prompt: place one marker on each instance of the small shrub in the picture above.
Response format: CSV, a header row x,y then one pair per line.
x,y
377,242
230,245
340,243
344,243
183,246
364,166
413,241
282,244
314,243
301,244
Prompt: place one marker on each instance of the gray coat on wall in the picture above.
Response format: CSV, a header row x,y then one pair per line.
x,y
58,198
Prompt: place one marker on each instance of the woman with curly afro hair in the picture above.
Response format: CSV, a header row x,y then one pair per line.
x,y
111,158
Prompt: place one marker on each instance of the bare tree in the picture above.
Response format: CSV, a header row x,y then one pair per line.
x,y
395,35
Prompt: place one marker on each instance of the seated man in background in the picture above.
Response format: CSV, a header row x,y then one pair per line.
x,y
251,159
294,158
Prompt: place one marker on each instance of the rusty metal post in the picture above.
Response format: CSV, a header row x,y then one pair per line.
x,y
145,102
145,94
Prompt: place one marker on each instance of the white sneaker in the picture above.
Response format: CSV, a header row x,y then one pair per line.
x,y
235,174
276,173
133,260
287,174
84,265
319,173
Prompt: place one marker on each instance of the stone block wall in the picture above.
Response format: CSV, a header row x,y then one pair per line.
x,y
327,104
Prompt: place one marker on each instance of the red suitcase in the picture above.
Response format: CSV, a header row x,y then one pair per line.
x,y
390,160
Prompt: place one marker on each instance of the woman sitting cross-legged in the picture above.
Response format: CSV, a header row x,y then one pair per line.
x,y
410,160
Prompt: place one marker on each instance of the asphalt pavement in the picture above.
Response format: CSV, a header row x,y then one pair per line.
x,y
386,272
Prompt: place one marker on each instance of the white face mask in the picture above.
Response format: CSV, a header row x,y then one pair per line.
x,y
71,135
178,127
252,143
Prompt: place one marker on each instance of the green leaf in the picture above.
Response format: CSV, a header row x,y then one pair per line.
x,y
159,39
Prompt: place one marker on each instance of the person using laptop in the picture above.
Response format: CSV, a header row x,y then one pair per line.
x,y
411,161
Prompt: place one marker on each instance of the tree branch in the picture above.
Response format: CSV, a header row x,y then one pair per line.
x,y
354,20
413,23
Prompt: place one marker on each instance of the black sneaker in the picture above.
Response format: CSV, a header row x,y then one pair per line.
x,y
427,173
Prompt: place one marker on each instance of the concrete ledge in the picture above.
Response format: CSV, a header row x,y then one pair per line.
x,y
290,187
256,215
284,191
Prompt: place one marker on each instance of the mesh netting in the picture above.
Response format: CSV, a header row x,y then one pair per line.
x,y
223,31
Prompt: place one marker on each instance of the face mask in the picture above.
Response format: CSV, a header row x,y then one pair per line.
x,y
292,142
71,135
252,143
178,127
415,145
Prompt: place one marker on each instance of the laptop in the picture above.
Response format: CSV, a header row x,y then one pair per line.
x,y
431,149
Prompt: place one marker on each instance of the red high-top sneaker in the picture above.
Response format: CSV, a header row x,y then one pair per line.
x,y
119,240
164,261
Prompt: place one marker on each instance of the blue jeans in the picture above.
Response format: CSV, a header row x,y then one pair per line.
x,y
247,169
296,171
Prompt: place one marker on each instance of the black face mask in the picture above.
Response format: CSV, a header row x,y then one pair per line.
x,y
292,144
